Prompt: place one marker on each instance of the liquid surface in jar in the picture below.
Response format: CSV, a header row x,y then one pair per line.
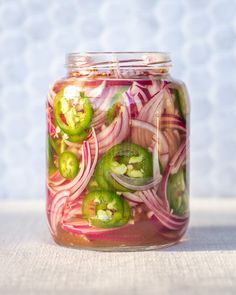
x,y
117,162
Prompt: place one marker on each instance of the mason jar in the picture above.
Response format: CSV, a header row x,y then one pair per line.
x,y
117,153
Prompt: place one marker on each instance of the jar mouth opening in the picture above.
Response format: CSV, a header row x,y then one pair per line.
x,y
116,59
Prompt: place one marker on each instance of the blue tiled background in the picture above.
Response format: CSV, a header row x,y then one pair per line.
x,y
36,34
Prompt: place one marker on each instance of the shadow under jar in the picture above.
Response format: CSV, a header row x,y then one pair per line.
x,y
118,173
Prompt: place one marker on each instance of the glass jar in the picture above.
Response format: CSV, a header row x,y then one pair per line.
x,y
118,173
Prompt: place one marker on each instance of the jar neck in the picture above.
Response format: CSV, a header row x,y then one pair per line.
x,y
118,64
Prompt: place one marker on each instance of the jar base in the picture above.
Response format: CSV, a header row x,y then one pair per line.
x,y
121,248
135,240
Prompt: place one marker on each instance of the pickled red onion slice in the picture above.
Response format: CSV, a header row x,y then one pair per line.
x,y
57,208
133,183
88,173
115,133
167,219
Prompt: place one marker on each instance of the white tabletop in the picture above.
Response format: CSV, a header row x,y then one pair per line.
x,y
31,263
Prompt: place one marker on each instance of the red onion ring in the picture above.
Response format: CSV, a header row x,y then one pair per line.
x,y
143,92
165,218
87,230
115,133
56,179
127,182
51,95
172,116
56,209
171,140
132,197
144,125
172,124
78,189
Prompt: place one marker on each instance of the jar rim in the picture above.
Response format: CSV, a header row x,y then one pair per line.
x,y
113,59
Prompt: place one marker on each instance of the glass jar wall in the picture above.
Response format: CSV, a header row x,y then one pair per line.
x,y
118,175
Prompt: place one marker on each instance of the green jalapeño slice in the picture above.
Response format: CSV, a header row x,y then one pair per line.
x,y
73,112
50,157
176,193
79,137
181,101
105,209
130,160
68,165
